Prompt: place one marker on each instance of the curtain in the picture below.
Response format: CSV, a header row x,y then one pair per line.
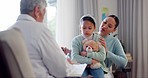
x,y
69,13
132,31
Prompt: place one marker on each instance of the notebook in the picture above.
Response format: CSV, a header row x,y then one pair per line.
x,y
76,70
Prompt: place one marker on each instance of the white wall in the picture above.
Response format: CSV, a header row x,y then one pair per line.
x,y
111,5
9,11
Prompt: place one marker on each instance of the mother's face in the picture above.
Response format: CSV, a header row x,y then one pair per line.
x,y
107,26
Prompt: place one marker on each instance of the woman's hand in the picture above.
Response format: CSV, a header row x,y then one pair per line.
x,y
83,53
103,43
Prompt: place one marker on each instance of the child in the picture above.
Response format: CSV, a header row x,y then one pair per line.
x,y
87,27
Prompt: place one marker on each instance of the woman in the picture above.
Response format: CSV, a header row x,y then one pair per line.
x,y
113,47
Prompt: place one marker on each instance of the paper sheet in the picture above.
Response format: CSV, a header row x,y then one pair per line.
x,y
76,70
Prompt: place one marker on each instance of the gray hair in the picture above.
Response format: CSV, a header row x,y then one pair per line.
x,y
27,6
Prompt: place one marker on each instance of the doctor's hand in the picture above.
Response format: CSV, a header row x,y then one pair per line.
x,y
66,50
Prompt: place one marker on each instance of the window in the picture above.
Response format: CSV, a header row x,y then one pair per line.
x,y
9,13
51,16
10,10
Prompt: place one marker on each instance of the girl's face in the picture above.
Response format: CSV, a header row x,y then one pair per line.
x,y
87,28
107,26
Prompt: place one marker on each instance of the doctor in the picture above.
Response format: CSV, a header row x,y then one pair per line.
x,y
47,58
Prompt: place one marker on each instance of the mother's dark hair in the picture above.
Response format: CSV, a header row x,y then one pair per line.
x,y
116,20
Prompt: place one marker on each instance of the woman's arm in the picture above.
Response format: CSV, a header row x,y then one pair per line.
x,y
118,56
115,52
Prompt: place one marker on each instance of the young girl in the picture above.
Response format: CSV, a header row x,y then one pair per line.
x,y
87,27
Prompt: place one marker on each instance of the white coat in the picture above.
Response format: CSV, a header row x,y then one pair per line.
x,y
47,58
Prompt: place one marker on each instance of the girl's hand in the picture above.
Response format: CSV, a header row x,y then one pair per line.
x,y
94,61
83,53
